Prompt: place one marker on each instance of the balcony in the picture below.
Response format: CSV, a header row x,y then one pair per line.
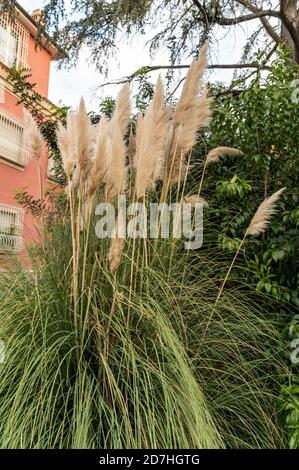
x,y
14,43
11,229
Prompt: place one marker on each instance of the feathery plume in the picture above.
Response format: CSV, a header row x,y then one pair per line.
x,y
32,136
72,134
151,139
62,141
76,177
192,113
196,200
67,140
258,225
262,217
117,247
115,170
215,154
204,111
85,147
64,148
188,98
123,108
98,168
162,128
144,157
161,114
193,122
115,174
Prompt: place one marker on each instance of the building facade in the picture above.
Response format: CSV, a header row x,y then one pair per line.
x,y
18,49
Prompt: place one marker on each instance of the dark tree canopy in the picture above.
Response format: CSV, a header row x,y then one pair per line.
x,y
181,25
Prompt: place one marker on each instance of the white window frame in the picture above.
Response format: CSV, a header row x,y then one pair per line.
x,y
11,234
12,145
14,31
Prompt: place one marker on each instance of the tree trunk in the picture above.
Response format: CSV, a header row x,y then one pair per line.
x,y
290,10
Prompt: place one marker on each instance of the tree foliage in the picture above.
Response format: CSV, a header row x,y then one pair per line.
x,y
263,122
180,26
46,114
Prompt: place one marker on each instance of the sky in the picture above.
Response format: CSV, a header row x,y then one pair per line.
x,y
67,86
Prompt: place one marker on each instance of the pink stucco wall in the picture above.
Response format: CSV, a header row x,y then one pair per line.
x,y
12,179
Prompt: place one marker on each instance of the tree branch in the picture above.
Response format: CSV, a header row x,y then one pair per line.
x,y
152,68
271,31
287,23
241,19
257,13
197,3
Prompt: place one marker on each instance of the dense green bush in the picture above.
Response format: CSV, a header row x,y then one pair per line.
x,y
263,121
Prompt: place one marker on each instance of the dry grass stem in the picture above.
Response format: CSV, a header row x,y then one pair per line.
x,y
117,246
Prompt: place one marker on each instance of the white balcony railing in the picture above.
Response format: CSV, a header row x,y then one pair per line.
x,y
12,145
11,229
14,42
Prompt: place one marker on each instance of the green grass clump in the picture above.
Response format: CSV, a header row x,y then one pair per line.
x,y
143,360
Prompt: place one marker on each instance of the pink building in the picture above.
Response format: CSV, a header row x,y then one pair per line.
x,y
18,48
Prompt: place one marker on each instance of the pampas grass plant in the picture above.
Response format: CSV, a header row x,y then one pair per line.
x,y
119,344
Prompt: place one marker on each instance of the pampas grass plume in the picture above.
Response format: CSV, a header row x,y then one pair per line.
x,y
151,142
191,86
261,218
215,154
115,175
32,136
85,145
63,145
192,113
123,108
98,168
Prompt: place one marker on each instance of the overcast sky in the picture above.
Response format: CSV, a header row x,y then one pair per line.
x,y
68,86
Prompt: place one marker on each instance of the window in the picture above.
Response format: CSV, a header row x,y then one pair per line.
x,y
11,228
14,41
11,138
